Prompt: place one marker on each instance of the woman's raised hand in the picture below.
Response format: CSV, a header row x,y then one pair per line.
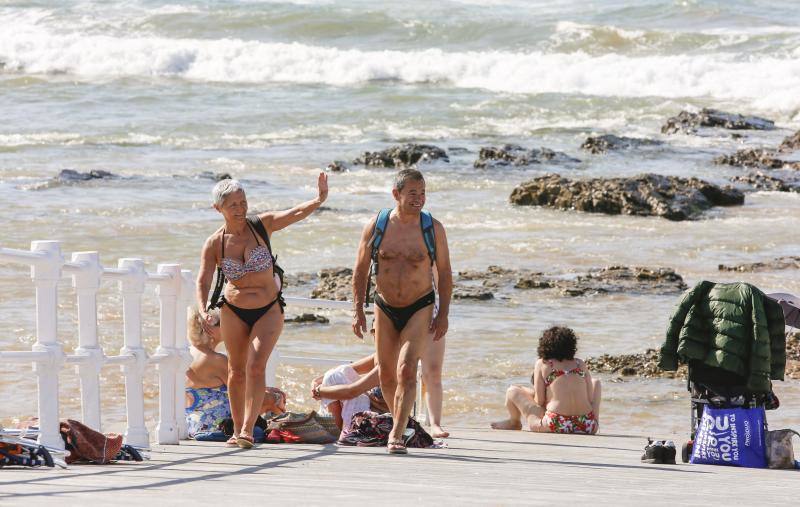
x,y
322,186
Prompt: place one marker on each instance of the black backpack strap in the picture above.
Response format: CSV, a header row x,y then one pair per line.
x,y
258,225
215,301
426,223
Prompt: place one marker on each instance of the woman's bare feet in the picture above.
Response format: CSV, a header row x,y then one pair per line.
x,y
438,432
507,424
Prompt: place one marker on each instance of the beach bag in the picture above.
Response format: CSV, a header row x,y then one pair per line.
x,y
730,436
780,453
86,444
369,429
308,428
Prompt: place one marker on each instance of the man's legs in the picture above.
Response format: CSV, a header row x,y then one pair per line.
x,y
432,361
414,338
387,348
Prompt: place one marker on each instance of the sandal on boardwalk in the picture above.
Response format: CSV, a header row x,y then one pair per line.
x,y
244,442
231,442
396,447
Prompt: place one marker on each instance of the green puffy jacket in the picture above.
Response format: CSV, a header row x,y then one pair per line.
x,y
732,326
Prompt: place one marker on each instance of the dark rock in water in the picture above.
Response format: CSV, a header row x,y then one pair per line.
x,y
457,150
478,293
308,318
670,197
604,143
793,346
71,175
215,176
642,365
295,279
402,156
335,284
535,281
609,280
688,123
756,157
596,281
788,262
515,155
791,143
337,166
760,181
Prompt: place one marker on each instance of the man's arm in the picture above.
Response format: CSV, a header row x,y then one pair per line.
x,y
275,221
360,276
444,271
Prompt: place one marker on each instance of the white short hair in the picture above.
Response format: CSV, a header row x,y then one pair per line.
x,y
225,188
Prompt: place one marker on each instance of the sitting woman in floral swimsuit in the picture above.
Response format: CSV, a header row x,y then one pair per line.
x,y
207,402
563,399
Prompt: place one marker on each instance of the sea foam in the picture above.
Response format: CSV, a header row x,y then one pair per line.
x,y
765,82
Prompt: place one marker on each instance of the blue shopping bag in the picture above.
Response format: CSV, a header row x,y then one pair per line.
x,y
731,436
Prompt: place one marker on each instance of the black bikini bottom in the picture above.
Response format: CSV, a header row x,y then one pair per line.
x,y
251,315
401,316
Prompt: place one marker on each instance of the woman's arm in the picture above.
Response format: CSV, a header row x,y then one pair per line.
x,y
350,391
208,262
539,389
275,221
587,376
364,365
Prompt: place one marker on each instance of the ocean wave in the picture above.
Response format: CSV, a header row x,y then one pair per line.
x,y
766,82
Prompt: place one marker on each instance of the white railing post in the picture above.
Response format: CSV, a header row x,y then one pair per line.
x,y
86,282
185,302
132,287
46,274
168,290
272,368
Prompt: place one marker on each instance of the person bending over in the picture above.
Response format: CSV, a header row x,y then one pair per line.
x,y
564,397
343,391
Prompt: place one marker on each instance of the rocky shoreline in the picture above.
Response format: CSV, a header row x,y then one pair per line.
x,y
645,364
496,282
669,197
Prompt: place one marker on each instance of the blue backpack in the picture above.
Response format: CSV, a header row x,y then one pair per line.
x,y
379,231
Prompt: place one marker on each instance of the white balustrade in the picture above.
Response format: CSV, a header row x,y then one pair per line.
x,y
175,291
47,356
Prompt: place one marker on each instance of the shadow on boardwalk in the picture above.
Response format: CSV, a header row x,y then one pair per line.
x,y
482,467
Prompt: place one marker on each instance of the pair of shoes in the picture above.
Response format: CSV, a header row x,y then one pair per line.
x,y
659,452
396,447
245,442
231,442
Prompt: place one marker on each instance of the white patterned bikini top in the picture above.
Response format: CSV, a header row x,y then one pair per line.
x,y
260,260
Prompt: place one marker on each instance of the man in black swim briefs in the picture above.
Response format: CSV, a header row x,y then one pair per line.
x,y
408,244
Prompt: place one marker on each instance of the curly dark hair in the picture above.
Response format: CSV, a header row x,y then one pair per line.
x,y
558,343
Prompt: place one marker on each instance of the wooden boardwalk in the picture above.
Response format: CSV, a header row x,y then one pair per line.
x,y
480,467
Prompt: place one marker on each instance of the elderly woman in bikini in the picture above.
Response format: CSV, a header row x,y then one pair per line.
x,y
563,398
251,319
